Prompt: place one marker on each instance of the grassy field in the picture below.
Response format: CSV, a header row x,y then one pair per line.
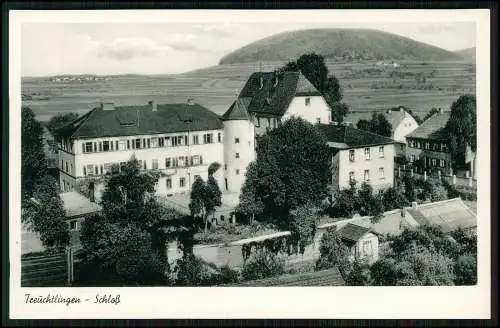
x,y
367,86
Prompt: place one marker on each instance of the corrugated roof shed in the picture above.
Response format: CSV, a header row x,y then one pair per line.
x,y
432,128
352,137
330,277
142,120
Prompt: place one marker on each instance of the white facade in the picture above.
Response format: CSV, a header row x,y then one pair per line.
x,y
313,109
239,151
407,125
374,165
179,157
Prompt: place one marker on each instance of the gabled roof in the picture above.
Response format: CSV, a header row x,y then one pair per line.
x,y
237,111
277,91
395,116
449,214
142,120
432,128
343,137
330,277
353,232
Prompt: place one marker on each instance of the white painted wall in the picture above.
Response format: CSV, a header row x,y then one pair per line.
x,y
235,168
317,109
367,248
360,165
407,125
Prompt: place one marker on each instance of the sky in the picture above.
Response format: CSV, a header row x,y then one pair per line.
x,y
170,48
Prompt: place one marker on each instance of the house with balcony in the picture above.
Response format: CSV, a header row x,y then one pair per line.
x,y
179,141
359,156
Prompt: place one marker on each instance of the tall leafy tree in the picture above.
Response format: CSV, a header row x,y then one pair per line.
x,y
333,253
378,124
46,216
250,204
33,160
292,168
461,128
214,186
60,120
203,200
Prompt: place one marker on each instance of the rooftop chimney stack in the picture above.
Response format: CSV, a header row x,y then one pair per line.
x,y
154,106
389,111
107,106
441,110
401,109
190,101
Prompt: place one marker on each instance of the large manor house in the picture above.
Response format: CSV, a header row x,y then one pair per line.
x,y
181,141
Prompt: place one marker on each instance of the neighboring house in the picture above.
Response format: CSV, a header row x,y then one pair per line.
x,y
266,100
179,141
449,215
362,242
329,277
359,156
401,121
76,207
429,144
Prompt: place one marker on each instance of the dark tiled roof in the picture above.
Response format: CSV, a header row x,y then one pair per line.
x,y
274,99
353,232
142,120
432,128
352,137
237,111
448,214
330,277
395,117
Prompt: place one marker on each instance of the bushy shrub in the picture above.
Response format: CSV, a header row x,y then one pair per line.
x,y
191,271
263,264
466,270
333,253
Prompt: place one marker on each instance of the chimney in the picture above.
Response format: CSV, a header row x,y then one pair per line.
x,y
401,109
441,110
389,111
190,101
154,106
107,106
414,205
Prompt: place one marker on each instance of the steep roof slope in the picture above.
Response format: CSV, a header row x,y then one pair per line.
x,y
337,42
142,120
433,127
349,137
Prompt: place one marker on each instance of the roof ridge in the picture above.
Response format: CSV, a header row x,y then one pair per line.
x,y
439,202
89,114
369,132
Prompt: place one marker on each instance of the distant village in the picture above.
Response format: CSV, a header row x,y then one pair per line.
x,y
78,78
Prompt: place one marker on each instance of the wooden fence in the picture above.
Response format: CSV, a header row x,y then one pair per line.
x,y
45,270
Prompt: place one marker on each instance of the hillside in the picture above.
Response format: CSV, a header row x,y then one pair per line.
x,y
467,54
340,44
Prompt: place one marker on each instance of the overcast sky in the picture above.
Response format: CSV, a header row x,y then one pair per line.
x,y
142,48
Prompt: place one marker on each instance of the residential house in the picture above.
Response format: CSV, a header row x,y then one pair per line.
x,y
401,121
428,145
359,156
362,242
179,141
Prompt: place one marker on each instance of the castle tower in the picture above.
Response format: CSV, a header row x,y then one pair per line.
x,y
239,145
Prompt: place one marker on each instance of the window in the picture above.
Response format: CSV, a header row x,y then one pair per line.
x,y
441,162
381,151
100,145
219,137
207,138
443,147
367,247
411,143
62,164
154,165
195,140
257,122
181,162
237,155
412,158
351,176
95,147
116,145
73,224
84,170
236,140
88,147
182,182
367,175
154,142
145,166
122,145
367,154
168,181
90,169
433,162
308,101
237,172
318,120
225,167
71,167
168,142
402,147
196,160
137,143
101,169
105,146
149,142
427,146
351,155
143,143
161,142
107,167
128,144
381,173
418,144
67,167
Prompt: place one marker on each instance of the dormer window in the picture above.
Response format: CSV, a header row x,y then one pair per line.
x,y
308,101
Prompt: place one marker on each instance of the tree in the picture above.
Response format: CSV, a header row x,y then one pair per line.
x,y
414,115
33,161
438,192
466,270
368,203
430,113
394,198
345,203
46,215
60,120
263,264
217,194
203,200
303,222
292,169
250,203
333,253
461,128
339,110
378,124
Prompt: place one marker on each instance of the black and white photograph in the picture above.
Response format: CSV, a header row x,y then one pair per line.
x,y
241,149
